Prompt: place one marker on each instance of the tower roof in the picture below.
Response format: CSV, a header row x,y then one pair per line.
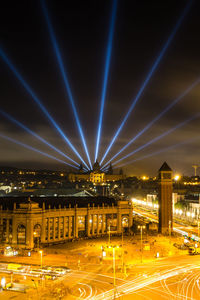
x,y
165,167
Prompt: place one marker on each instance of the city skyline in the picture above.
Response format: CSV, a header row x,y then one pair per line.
x,y
83,38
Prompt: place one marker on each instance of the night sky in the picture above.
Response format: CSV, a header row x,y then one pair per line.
x,y
81,28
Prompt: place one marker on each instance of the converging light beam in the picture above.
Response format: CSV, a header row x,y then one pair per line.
x,y
158,152
147,79
39,103
158,137
36,150
10,118
106,71
148,126
65,79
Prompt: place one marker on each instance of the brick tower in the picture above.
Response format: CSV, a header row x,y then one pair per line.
x,y
165,200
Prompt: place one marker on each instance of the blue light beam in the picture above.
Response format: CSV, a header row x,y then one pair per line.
x,y
105,79
158,152
149,75
65,79
158,137
10,118
148,126
35,150
39,103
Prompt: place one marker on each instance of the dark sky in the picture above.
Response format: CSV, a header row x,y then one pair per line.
x,y
81,28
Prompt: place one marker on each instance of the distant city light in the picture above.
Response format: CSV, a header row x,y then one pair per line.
x,y
177,177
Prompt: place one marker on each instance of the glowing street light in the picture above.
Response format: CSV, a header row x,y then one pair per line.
x,y
177,177
41,253
114,270
141,248
3,282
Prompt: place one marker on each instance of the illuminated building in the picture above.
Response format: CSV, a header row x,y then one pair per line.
x,y
27,223
96,175
165,200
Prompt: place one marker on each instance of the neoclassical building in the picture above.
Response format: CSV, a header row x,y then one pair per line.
x,y
96,176
32,222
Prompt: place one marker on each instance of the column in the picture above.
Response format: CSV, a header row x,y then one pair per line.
x,y
103,223
14,230
76,225
54,229
88,223
130,219
48,230
92,224
97,223
70,225
59,228
64,228
7,230
43,230
29,232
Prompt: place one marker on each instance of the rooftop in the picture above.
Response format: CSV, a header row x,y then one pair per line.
x,y
165,167
57,202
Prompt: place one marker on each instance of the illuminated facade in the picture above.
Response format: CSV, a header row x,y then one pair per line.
x,y
43,221
96,176
165,200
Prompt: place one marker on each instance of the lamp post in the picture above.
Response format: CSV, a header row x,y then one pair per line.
x,y
141,248
37,239
109,233
41,253
114,270
122,248
170,231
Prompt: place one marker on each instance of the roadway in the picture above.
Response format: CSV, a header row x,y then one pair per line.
x,y
178,226
169,278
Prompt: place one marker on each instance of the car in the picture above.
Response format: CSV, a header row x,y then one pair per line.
x,y
50,276
46,269
36,272
61,271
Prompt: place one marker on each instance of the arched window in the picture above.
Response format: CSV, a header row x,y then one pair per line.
x,y
37,230
21,234
125,221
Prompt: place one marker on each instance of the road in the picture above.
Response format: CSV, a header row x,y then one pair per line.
x,y
178,227
169,278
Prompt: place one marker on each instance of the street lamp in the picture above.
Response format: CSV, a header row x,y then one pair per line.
x,y
141,248
41,253
198,227
3,282
122,247
37,239
114,270
109,233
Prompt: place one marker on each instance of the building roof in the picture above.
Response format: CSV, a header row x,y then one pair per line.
x,y
165,167
56,202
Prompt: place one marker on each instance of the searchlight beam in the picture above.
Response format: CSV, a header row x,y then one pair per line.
x,y
36,150
155,119
10,118
158,138
39,103
106,72
65,79
148,77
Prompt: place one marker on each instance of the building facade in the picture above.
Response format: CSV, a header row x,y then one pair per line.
x,y
44,221
165,225
96,175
